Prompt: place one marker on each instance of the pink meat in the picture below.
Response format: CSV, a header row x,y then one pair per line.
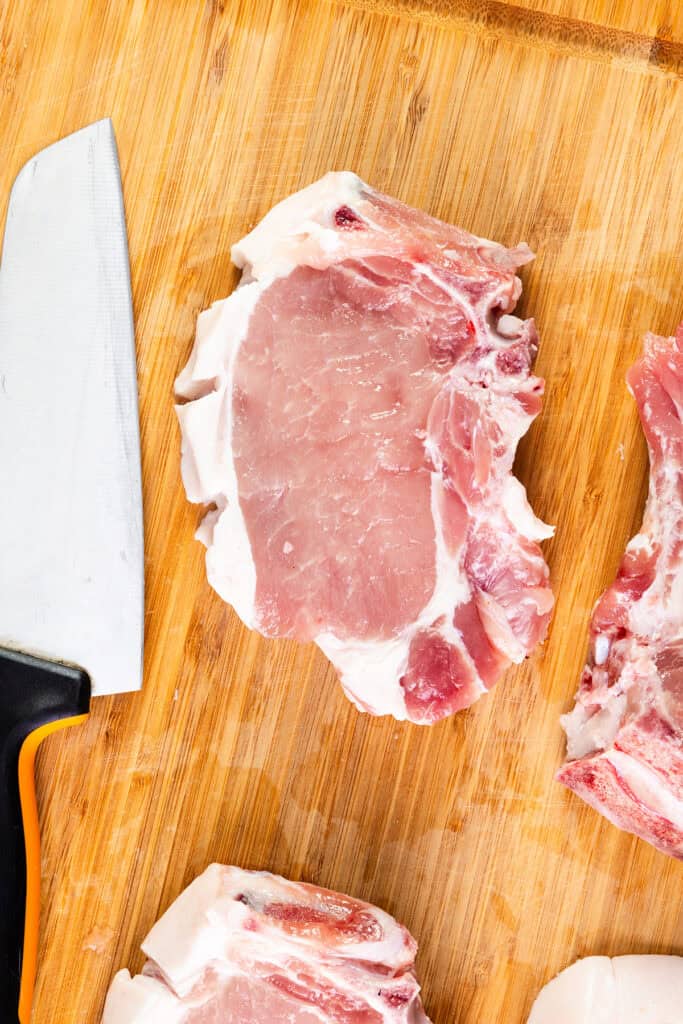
x,y
353,411
625,734
246,947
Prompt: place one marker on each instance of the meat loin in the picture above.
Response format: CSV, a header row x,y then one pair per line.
x,y
625,989
246,947
352,413
625,734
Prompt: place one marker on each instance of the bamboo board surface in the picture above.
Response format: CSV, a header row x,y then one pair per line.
x,y
550,121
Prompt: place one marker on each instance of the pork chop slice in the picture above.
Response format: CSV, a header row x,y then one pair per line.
x,y
622,990
625,734
352,411
248,947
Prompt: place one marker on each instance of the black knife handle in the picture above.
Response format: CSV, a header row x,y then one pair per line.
x,y
36,698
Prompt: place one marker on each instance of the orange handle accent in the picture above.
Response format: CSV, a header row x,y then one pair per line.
x,y
29,813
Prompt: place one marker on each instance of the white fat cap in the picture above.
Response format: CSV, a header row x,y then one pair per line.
x,y
626,989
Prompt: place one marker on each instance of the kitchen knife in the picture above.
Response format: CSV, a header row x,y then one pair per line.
x,y
71,547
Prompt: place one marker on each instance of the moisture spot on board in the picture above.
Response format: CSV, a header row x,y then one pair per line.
x,y
287,548
589,216
98,939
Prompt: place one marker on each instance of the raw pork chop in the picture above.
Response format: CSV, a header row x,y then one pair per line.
x,y
625,990
353,413
625,735
247,947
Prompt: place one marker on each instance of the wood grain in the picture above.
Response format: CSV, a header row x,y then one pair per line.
x,y
243,750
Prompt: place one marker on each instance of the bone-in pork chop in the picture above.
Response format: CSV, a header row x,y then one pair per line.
x,y
625,734
623,990
247,947
353,410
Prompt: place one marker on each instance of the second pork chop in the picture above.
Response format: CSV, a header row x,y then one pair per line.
x,y
248,947
625,734
353,411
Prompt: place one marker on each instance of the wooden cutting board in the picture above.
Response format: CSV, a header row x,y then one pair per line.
x,y
553,121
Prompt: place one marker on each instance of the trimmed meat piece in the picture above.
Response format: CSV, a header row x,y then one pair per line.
x,y
246,947
623,990
352,411
625,734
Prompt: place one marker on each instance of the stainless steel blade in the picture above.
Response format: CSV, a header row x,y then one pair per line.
x,y
71,547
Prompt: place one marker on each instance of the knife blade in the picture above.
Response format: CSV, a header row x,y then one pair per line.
x,y
71,541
